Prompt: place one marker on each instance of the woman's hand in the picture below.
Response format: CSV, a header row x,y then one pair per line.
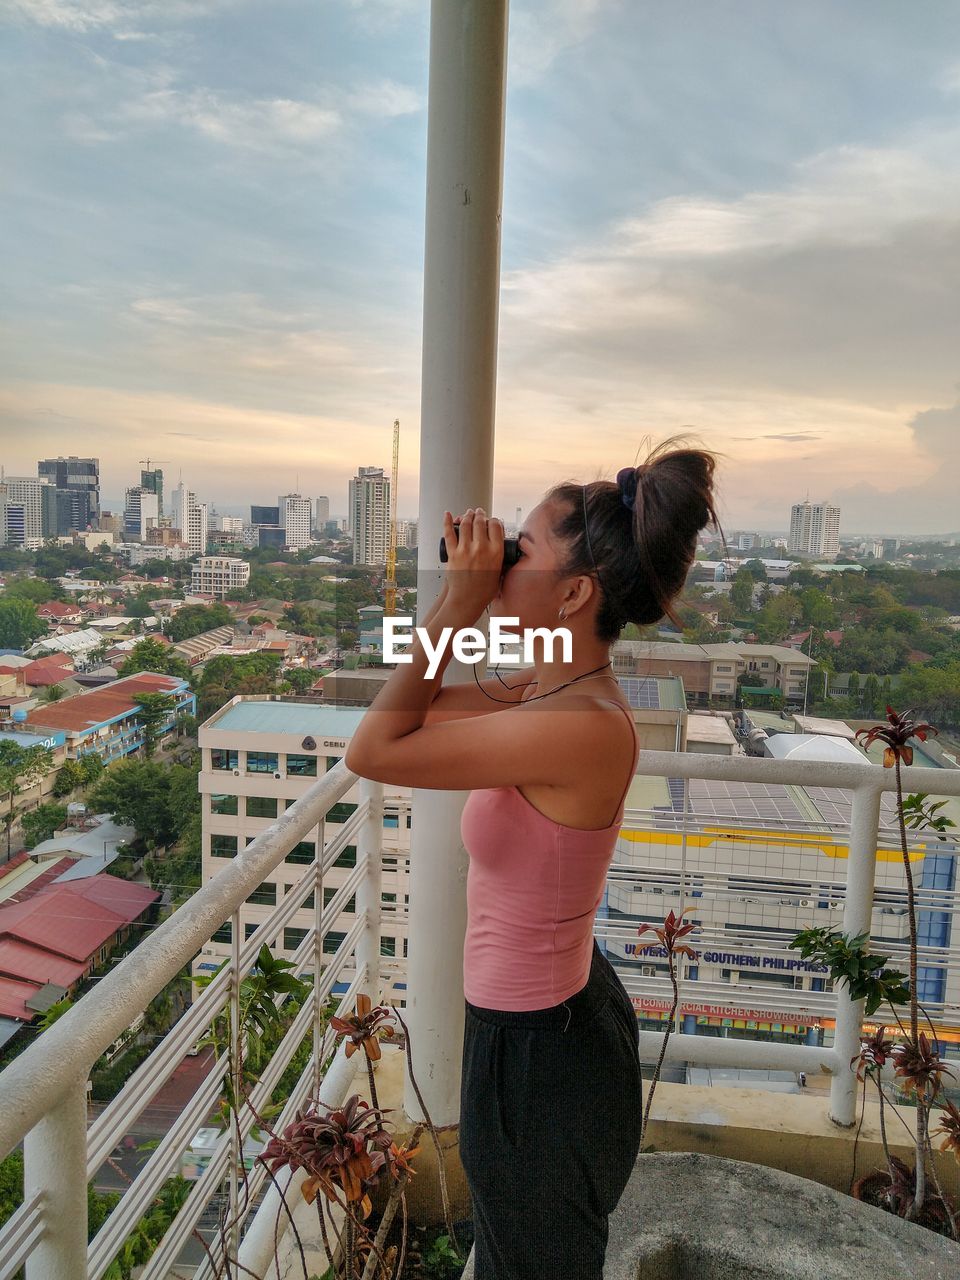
x,y
474,560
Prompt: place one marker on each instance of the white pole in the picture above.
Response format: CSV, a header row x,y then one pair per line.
x,y
370,849
55,1164
857,912
460,303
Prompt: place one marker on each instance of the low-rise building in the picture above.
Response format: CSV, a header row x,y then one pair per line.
x,y
57,936
710,671
217,576
107,720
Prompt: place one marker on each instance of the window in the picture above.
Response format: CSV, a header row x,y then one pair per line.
x,y
405,948
340,811
224,805
302,766
220,758
262,762
388,897
303,852
392,821
293,937
249,929
261,807
726,668
331,762
264,895
348,858
223,846
224,933
288,803
328,896
388,946
332,940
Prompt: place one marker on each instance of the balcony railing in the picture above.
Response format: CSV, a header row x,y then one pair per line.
x,y
44,1089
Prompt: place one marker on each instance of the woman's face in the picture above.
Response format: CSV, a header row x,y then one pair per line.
x,y
530,589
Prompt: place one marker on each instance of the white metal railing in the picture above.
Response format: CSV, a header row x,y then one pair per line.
x,y
867,783
43,1091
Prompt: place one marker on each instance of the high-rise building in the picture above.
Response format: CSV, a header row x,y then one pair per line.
x,y
322,513
227,524
370,515
80,478
23,502
152,482
190,517
141,511
265,515
814,529
295,517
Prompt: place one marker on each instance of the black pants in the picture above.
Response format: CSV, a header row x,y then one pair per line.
x,y
550,1115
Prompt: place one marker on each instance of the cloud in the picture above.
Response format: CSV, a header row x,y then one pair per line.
x,y
91,15
540,34
840,282
257,124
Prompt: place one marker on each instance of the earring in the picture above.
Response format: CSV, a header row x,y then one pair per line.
x,y
562,613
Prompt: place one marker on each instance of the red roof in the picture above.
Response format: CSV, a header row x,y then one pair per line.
x,y
85,710
54,935
56,609
40,675
53,870
17,860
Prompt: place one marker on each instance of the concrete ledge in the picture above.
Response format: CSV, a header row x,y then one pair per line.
x,y
790,1132
688,1215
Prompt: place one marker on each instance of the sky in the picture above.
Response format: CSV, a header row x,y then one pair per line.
x,y
735,218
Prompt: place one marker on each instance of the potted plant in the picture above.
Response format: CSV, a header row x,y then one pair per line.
x,y
916,1062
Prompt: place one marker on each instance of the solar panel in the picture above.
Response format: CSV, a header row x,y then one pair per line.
x,y
771,801
642,692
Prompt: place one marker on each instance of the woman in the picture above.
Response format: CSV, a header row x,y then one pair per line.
x,y
551,1101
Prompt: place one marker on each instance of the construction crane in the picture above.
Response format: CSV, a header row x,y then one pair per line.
x,y
390,592
150,464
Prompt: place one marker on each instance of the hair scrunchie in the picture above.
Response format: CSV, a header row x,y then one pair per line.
x,y
627,479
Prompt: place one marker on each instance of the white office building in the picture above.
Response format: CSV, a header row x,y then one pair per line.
x,y
296,518
370,515
141,511
259,755
219,575
227,524
21,506
814,529
190,517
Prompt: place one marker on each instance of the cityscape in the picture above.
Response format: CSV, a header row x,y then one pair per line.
x,y
252,240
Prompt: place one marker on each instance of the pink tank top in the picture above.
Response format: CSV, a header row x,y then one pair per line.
x,y
533,888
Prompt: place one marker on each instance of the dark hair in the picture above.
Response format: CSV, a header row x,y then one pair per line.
x,y
642,556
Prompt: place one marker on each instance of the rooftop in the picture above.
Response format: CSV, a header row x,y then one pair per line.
x,y
255,716
82,712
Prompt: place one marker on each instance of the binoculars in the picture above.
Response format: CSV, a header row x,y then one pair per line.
x,y
511,549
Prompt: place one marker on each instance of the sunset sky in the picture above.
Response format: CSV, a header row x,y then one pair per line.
x,y
740,217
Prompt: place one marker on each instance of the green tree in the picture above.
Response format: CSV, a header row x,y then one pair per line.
x,y
91,767
933,692
33,589
40,823
870,698
19,624
153,655
68,778
136,793
193,619
741,592
299,679
853,691
155,710
757,570
20,769
52,693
